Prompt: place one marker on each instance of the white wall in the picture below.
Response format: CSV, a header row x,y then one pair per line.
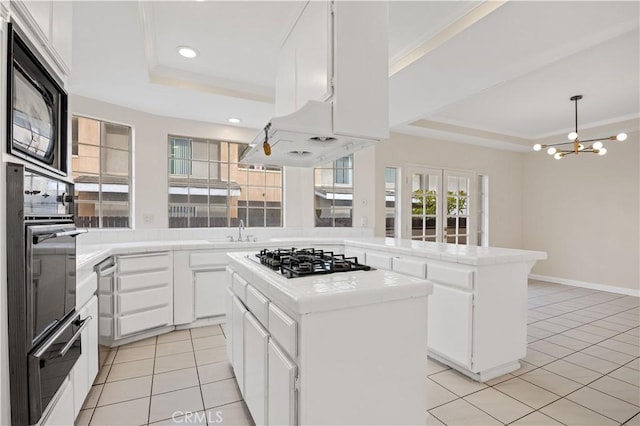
x,y
583,211
150,151
504,169
150,165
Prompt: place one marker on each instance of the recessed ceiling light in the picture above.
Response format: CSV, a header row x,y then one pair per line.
x,y
234,120
187,52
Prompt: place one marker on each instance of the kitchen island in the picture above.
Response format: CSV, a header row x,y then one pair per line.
x,y
340,348
476,313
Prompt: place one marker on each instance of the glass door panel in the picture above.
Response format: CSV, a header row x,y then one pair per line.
x,y
425,205
440,202
458,224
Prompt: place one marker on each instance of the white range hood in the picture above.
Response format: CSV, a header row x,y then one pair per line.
x,y
332,86
304,138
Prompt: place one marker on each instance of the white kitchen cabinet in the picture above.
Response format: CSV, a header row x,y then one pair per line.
x,y
40,12
62,409
256,346
200,280
361,61
284,330
48,25
237,324
451,312
356,252
379,260
410,266
86,368
229,325
62,17
478,316
282,387
304,61
258,304
208,293
144,297
316,371
338,52
136,295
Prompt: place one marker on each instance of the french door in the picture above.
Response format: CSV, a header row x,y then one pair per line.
x,y
439,205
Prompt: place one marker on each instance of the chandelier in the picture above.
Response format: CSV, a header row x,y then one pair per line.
x,y
578,146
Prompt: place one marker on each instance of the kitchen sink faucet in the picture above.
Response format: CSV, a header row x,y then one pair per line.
x,y
240,228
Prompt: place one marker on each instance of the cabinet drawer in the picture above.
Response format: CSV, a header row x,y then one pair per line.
x,y
284,330
451,276
414,268
258,305
239,286
379,261
105,302
360,254
145,299
141,321
197,260
105,327
85,289
105,284
145,280
145,262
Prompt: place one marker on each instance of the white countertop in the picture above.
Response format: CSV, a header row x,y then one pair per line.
x,y
89,255
326,292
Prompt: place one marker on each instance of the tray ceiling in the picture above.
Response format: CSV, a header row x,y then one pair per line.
x,y
493,73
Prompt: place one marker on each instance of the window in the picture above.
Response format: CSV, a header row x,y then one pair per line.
x,y
440,202
390,191
333,185
483,210
343,170
101,170
209,187
180,157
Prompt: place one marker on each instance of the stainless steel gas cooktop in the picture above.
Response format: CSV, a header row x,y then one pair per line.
x,y
294,262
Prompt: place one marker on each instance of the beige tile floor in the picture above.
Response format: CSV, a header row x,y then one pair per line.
x,y
183,377
582,368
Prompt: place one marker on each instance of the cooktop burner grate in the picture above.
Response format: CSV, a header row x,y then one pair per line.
x,y
295,262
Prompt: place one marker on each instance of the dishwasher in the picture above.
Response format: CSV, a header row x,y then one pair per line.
x,y
106,271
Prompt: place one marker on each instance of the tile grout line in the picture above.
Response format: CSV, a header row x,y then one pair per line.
x,y
204,408
103,385
591,345
153,371
538,367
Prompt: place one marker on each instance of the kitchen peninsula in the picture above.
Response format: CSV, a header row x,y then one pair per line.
x,y
475,317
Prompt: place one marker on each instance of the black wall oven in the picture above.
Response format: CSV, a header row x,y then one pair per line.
x,y
36,108
44,328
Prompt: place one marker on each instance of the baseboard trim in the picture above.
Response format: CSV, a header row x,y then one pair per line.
x,y
585,284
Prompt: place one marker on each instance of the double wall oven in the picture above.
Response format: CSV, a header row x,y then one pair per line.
x,y
44,327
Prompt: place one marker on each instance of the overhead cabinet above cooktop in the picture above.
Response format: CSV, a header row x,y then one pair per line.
x,y
331,87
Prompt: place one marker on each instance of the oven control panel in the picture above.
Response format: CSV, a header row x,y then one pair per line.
x,y
45,196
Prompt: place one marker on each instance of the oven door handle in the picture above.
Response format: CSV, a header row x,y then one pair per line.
x,y
39,238
51,340
82,324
